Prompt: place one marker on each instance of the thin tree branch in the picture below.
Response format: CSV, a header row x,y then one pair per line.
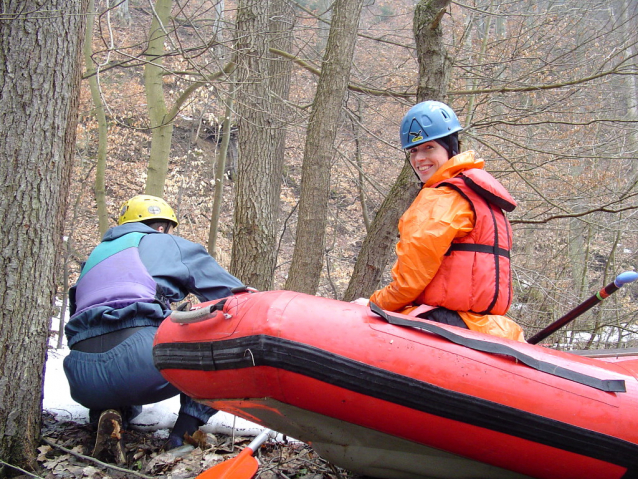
x,y
601,209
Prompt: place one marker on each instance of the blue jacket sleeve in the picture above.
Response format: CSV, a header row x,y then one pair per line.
x,y
180,267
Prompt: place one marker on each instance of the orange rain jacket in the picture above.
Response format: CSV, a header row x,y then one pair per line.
x,y
436,218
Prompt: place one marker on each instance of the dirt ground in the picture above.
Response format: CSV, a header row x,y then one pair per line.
x,y
66,447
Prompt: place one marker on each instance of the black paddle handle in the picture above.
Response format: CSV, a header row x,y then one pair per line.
x,y
619,282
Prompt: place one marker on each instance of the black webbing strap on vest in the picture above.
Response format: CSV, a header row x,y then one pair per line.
x,y
607,385
478,248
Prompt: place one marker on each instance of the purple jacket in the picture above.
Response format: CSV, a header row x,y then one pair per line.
x,y
133,274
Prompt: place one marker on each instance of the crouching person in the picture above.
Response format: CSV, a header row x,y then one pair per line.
x,y
119,301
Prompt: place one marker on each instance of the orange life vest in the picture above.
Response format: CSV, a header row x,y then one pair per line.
x,y
475,274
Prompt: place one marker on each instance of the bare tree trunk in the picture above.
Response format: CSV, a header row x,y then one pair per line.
x,y
38,112
123,11
381,237
162,126
307,260
161,117
263,88
434,67
631,83
252,257
220,167
282,18
357,159
473,82
100,169
434,62
222,152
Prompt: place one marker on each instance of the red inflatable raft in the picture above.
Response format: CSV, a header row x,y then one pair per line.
x,y
390,396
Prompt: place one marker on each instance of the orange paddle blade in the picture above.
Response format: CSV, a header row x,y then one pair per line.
x,y
242,466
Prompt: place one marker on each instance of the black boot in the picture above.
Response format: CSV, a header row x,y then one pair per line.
x,y
185,424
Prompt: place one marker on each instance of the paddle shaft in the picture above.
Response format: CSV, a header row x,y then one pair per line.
x,y
611,288
261,438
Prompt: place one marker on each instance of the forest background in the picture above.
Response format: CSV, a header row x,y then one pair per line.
x,y
546,92
271,127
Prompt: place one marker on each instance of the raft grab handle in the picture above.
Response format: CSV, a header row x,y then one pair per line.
x,y
607,385
197,315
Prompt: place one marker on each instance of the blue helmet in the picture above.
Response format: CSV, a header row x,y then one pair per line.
x,y
427,121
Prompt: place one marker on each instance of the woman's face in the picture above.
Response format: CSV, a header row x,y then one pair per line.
x,y
427,158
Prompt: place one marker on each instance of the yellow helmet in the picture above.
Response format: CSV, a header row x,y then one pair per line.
x,y
145,207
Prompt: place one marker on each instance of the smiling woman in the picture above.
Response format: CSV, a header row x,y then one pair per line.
x,y
453,261
427,158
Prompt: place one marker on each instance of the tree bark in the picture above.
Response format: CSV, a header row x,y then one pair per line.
x,y
307,260
220,167
434,62
99,187
40,53
262,91
282,23
161,124
382,235
434,67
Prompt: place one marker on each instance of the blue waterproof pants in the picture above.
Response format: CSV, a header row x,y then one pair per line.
x,y
125,377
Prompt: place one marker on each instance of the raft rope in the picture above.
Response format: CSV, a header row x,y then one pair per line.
x,y
607,385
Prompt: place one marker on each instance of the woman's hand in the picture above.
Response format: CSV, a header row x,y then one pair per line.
x,y
361,301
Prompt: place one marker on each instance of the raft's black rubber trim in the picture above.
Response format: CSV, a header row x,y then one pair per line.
x,y
374,382
607,385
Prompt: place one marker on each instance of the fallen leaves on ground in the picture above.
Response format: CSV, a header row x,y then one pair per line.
x,y
65,449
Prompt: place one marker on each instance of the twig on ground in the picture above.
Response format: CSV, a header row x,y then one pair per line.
x,y
20,469
96,461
